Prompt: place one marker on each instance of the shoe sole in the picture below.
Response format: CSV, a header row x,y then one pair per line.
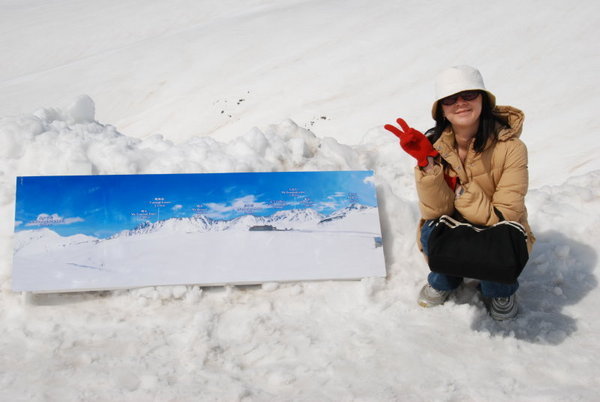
x,y
504,315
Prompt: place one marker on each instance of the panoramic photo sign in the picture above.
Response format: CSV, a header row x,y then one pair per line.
x,y
76,233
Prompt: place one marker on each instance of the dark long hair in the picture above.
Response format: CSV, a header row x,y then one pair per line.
x,y
487,124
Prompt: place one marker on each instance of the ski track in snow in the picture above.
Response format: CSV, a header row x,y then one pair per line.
x,y
173,69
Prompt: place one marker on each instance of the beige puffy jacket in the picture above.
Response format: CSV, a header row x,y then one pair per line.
x,y
495,178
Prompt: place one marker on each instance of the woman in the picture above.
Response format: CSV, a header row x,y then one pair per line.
x,y
472,166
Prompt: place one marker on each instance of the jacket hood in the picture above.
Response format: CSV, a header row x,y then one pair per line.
x,y
515,118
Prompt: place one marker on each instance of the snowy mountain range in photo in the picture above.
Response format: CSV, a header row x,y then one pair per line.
x,y
289,245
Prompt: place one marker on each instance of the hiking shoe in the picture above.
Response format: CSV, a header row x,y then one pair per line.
x,y
430,297
503,308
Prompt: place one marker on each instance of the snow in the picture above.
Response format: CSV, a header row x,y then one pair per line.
x,y
183,86
306,246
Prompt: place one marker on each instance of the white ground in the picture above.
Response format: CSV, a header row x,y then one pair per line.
x,y
231,86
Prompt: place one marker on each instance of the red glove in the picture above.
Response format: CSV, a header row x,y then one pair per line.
x,y
413,142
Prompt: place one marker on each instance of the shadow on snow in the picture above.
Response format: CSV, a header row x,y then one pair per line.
x,y
559,274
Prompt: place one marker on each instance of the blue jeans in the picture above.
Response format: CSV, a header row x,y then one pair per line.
x,y
447,282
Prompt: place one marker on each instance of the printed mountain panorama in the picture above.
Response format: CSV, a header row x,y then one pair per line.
x,y
216,234
293,219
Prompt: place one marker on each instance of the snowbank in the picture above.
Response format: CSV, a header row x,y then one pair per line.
x,y
360,340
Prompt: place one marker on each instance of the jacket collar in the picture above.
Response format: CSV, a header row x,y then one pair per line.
x,y
445,145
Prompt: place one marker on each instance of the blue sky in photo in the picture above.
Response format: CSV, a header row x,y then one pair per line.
x,y
101,206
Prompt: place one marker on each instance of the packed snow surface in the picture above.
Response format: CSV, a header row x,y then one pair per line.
x,y
236,86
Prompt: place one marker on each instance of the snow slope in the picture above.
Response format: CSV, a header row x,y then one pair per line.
x,y
188,86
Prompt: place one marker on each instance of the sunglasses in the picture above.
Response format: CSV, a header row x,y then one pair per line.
x,y
465,95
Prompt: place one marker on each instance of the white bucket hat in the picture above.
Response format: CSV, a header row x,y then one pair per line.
x,y
457,79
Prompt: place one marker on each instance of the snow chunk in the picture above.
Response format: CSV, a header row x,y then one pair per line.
x,y
82,110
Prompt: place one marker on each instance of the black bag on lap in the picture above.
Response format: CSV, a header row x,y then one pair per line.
x,y
495,253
